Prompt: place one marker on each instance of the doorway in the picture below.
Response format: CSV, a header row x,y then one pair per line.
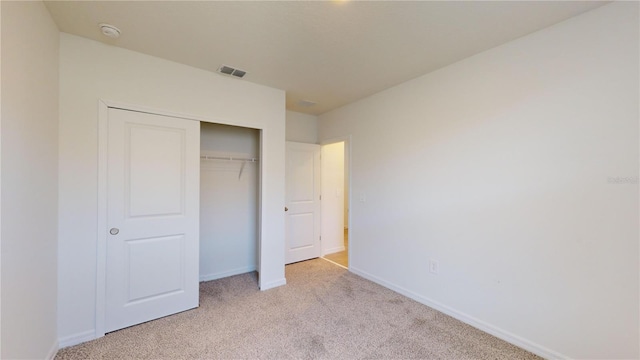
x,y
335,202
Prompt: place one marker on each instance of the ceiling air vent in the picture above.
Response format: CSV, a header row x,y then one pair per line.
x,y
228,70
306,103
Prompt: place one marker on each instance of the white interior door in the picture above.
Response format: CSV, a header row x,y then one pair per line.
x,y
303,202
153,214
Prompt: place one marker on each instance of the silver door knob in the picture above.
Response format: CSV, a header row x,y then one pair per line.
x,y
114,231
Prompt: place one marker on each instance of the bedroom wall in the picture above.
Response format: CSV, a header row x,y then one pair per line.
x,y
90,71
29,181
517,170
301,127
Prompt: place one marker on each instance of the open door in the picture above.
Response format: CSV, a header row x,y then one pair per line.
x,y
302,202
153,217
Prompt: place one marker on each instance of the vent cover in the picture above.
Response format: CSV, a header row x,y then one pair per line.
x,y
306,103
231,71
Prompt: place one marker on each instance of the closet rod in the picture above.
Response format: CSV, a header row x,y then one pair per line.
x,y
229,158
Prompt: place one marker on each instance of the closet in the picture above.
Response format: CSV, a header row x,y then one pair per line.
x,y
229,183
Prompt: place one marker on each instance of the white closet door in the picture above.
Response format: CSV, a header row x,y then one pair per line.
x,y
153,215
303,202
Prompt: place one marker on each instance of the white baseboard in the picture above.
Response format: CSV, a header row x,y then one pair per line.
x,y
273,284
53,351
224,274
76,339
334,250
465,318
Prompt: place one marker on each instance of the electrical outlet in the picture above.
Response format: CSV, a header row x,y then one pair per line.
x,y
434,266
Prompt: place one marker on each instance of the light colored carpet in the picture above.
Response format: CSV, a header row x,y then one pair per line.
x,y
324,312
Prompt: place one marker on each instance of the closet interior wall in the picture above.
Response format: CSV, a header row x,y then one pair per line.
x,y
228,201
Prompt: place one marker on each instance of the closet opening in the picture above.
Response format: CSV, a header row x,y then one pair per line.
x,y
229,200
171,174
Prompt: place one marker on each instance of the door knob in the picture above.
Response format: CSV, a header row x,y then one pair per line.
x,y
286,208
114,231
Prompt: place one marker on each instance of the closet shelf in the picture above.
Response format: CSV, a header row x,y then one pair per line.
x,y
227,158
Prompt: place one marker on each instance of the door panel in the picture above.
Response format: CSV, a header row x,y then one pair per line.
x,y
300,235
153,202
162,153
155,267
303,202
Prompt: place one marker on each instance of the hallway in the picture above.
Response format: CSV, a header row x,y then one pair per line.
x,y
342,257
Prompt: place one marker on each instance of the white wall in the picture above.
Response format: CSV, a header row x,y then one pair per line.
x,y
29,181
503,167
228,201
90,71
332,176
301,127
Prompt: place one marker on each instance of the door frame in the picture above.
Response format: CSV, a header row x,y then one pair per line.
x,y
102,226
347,155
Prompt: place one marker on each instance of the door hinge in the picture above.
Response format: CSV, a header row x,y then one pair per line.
x,y
320,197
320,237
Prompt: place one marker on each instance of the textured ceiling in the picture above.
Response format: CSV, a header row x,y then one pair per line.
x,y
331,53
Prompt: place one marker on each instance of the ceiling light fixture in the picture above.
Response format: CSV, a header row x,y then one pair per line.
x,y
110,31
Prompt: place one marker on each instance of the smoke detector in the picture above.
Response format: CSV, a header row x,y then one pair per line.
x,y
110,31
231,71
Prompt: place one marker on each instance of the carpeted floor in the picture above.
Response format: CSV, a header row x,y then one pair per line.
x,y
324,312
